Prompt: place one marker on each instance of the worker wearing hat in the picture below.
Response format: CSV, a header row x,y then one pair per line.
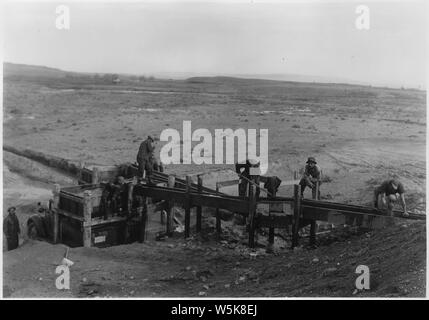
x,y
312,175
11,229
387,194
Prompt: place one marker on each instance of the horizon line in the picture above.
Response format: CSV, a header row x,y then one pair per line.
x,y
248,76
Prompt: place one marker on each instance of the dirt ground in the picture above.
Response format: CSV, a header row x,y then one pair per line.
x,y
359,135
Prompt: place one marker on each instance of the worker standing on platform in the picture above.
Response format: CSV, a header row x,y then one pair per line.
x,y
145,157
387,194
312,175
11,229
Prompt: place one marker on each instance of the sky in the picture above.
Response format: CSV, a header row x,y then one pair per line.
x,y
316,38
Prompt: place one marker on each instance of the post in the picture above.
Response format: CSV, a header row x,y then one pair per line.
x,y
131,186
170,212
79,173
142,211
56,226
95,175
271,229
56,195
87,213
296,214
199,209
313,225
188,207
218,221
252,204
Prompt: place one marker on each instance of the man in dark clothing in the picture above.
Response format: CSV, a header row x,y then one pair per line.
x,y
272,185
11,229
120,195
386,195
312,175
145,156
244,173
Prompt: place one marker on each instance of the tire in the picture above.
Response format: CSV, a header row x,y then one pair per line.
x,y
32,231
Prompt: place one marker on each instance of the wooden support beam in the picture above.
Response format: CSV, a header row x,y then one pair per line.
x,y
218,221
271,229
231,203
188,207
170,212
296,214
313,224
252,212
87,215
95,175
56,220
199,208
130,196
143,219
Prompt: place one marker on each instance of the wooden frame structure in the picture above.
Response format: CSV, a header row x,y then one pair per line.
x,y
189,195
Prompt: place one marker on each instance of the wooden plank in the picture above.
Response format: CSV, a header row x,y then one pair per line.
x,y
188,207
288,200
296,214
199,208
233,204
273,207
228,183
354,209
100,221
289,183
218,221
56,225
87,213
252,209
313,224
70,215
170,212
70,196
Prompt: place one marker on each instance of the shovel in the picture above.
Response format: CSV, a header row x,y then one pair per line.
x,y
65,261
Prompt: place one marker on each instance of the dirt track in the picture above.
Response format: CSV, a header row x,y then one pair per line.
x,y
202,267
359,135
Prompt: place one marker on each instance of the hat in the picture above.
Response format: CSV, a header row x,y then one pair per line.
x,y
150,138
395,182
10,209
311,160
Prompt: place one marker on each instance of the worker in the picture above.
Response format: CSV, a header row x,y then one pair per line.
x,y
11,229
145,157
244,173
312,175
387,194
120,195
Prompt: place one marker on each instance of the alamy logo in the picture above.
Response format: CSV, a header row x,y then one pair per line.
x,y
63,17
62,282
362,21
180,151
362,282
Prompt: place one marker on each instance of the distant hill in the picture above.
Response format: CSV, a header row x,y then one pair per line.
x,y
43,74
30,71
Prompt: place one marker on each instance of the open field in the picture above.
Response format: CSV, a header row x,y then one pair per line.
x,y
359,135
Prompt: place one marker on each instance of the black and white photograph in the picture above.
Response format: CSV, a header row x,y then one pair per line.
x,y
202,150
